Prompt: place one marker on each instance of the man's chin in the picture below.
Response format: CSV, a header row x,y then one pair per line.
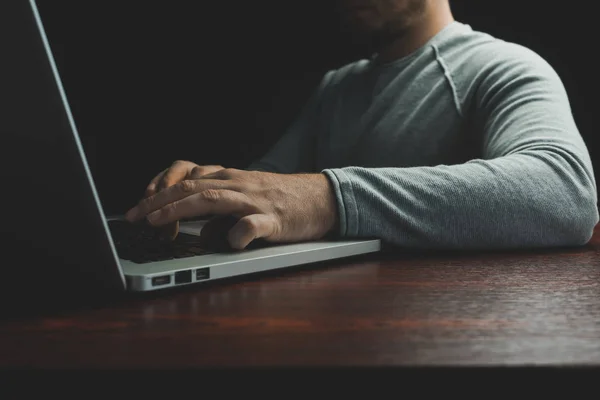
x,y
364,41
359,36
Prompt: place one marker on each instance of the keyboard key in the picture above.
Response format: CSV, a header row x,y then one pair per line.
x,y
141,243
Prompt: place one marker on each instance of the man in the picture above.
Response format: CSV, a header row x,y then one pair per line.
x,y
446,138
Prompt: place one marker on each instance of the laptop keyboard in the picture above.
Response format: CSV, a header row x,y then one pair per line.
x,y
141,243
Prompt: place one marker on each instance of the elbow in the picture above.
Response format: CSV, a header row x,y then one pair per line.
x,y
583,226
577,205
586,211
578,224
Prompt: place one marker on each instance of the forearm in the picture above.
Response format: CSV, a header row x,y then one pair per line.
x,y
523,200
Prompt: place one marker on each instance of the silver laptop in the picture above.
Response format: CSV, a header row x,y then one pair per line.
x,y
53,214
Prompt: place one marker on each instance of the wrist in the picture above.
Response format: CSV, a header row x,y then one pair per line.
x,y
330,215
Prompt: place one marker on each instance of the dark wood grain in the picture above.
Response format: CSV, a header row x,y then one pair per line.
x,y
418,308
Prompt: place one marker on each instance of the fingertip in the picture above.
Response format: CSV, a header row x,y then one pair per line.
x,y
237,244
238,239
130,215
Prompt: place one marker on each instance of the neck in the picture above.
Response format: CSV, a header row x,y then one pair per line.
x,y
435,18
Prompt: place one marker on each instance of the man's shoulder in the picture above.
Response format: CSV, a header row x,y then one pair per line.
x,y
476,49
473,57
468,56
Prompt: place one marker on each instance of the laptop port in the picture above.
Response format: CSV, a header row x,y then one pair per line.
x,y
202,274
161,280
183,276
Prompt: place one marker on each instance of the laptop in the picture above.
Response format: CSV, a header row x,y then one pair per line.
x,y
54,225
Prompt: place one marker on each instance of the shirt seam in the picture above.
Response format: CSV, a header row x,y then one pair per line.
x,y
449,78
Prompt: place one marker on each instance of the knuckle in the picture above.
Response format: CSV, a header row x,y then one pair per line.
x,y
210,195
248,225
198,171
186,186
228,173
180,164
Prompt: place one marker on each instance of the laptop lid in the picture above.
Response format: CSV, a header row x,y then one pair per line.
x,y
53,227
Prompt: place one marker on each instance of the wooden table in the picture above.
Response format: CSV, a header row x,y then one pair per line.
x,y
415,309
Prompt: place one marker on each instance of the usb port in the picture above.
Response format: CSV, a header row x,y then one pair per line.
x,y
202,274
161,280
183,276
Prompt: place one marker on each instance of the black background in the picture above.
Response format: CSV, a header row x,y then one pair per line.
x,y
218,82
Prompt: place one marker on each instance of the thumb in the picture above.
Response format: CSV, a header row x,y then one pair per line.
x,y
251,227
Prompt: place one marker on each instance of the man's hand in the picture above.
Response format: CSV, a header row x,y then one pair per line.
x,y
177,172
276,207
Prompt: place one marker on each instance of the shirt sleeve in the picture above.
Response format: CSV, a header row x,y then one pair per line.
x,y
295,151
533,187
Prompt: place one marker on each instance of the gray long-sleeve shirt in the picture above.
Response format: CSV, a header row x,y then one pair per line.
x,y
467,143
